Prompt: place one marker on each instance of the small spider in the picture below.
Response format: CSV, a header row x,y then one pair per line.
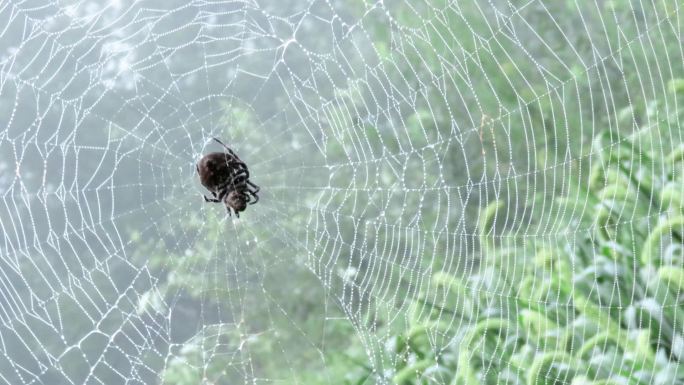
x,y
227,179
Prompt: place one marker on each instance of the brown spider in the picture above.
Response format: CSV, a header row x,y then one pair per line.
x,y
227,179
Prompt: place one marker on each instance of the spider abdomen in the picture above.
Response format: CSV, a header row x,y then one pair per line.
x,y
214,170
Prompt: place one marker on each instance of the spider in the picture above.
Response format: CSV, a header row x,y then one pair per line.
x,y
227,179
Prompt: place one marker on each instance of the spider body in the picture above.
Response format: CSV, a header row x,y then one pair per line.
x,y
227,179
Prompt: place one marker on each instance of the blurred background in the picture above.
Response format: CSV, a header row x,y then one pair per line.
x,y
452,192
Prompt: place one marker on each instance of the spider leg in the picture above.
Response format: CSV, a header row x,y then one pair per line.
x,y
224,186
237,162
214,199
230,211
222,194
227,148
240,164
256,199
237,165
237,181
256,188
253,194
243,172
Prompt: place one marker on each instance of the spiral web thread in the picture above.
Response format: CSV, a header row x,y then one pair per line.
x,y
378,131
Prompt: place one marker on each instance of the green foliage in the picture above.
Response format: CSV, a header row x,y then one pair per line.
x,y
603,310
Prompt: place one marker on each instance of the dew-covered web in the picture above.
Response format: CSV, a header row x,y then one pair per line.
x,y
469,191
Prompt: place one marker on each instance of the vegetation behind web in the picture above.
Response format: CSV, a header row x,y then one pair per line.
x,y
599,304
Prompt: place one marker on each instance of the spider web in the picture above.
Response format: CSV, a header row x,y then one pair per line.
x,y
378,132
